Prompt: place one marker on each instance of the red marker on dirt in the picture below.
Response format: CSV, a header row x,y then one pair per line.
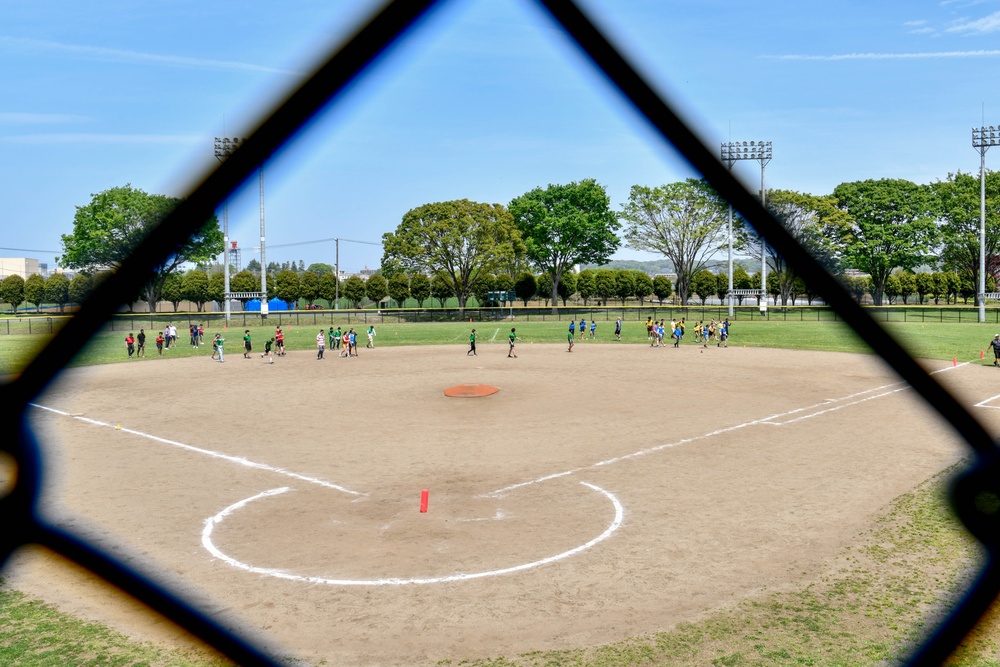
x,y
424,497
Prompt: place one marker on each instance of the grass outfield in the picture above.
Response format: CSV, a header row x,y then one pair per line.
x,y
923,340
858,613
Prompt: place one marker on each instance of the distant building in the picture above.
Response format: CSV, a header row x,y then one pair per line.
x,y
19,266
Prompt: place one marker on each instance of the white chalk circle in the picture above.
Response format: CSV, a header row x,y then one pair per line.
x,y
211,523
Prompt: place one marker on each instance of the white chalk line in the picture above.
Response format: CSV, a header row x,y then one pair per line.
x,y
211,523
495,334
207,452
769,420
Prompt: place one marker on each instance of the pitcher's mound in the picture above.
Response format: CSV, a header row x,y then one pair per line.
x,y
470,390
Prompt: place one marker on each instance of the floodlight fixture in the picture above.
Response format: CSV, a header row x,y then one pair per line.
x,y
758,151
982,139
224,147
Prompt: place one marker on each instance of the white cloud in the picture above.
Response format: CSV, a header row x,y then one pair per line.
x,y
97,138
982,26
887,56
914,24
125,56
21,118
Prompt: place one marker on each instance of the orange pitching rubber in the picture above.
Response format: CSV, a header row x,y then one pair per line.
x,y
424,497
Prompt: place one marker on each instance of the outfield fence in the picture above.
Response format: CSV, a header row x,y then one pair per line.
x,y
47,324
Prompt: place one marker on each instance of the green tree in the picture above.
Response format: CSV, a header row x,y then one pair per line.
x,y
354,290
217,288
399,289
564,225
643,286
441,288
485,285
504,283
703,284
57,290
742,280
940,287
892,288
585,285
892,225
567,286
244,281
194,285
320,268
287,287
328,288
79,288
12,291
685,222
624,284
173,290
253,266
525,287
662,288
420,288
458,239
309,287
376,288
960,219
907,286
109,228
925,286
722,286
605,285
34,291
815,222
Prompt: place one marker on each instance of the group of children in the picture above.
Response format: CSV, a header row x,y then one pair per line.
x,y
704,332
344,341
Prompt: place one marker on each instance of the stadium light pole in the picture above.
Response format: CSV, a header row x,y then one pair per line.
x,y
758,151
730,161
263,253
982,138
224,147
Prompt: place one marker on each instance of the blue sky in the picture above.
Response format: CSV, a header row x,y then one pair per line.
x,y
485,101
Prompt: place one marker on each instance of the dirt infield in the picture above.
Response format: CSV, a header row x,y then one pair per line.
x,y
606,493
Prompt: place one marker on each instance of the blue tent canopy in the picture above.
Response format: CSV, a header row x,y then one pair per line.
x,y
272,305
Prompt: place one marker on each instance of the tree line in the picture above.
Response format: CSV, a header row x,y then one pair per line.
x,y
877,227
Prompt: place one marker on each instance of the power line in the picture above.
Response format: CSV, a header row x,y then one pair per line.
x,y
48,252
289,245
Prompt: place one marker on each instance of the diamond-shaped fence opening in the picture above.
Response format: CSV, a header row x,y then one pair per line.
x,y
24,525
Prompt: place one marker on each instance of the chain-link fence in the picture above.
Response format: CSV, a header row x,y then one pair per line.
x,y
975,495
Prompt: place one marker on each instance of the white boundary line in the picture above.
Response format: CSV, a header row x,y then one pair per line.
x,y
207,452
769,420
211,523
982,404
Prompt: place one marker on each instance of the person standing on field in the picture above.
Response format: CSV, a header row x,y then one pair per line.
x,y
219,342
512,337
593,328
267,351
472,344
569,340
130,344
279,342
247,347
159,344
140,350
995,344
371,337
618,329
352,338
320,344
336,337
